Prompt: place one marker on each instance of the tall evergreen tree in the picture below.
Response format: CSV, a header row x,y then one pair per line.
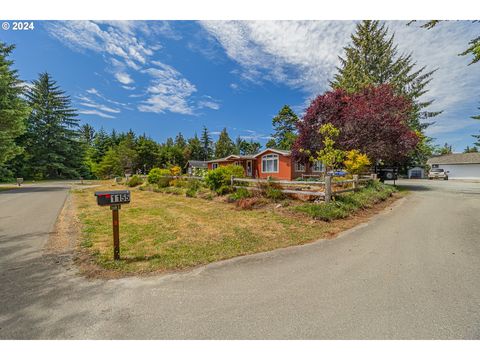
x,y
13,109
87,134
52,139
148,154
207,145
224,145
180,141
444,150
469,149
284,124
101,143
477,142
373,59
194,147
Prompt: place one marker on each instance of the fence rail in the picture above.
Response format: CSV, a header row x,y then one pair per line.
x,y
328,186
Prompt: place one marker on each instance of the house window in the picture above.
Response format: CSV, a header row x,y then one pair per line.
x,y
270,163
299,167
214,166
317,166
237,163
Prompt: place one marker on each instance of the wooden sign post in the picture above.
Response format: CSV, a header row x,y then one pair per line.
x,y
114,199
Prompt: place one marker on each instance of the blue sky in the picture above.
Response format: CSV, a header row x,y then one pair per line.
x,y
162,78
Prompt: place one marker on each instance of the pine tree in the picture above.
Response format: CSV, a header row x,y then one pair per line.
x,y
110,165
444,150
477,142
373,59
148,154
224,145
180,141
194,147
13,109
207,145
284,124
469,149
87,134
52,139
101,143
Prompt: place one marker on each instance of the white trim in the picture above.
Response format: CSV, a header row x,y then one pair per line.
x,y
299,167
273,157
279,152
321,166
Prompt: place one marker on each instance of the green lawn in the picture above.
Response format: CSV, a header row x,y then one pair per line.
x,y
161,231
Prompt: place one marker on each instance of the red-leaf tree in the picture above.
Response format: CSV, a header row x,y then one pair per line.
x,y
373,121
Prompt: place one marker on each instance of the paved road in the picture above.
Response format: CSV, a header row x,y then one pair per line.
x,y
411,273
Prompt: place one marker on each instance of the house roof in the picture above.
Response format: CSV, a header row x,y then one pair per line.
x,y
197,163
250,157
450,159
281,152
233,157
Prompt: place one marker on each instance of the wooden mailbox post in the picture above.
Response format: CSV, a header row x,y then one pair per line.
x,y
114,199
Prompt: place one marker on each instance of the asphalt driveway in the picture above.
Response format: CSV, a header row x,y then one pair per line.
x,y
411,273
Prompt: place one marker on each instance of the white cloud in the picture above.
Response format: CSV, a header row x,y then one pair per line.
x,y
208,102
96,112
123,77
168,91
304,55
129,46
94,108
301,54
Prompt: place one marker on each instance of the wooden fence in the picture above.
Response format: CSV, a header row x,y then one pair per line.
x,y
330,187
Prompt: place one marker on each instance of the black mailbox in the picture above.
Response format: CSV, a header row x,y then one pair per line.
x,y
115,197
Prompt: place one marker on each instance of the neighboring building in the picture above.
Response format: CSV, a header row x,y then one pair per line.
x,y
277,164
459,166
193,165
416,172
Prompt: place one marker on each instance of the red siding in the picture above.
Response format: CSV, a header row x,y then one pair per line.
x,y
285,170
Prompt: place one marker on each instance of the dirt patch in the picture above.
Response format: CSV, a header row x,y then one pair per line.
x,y
63,239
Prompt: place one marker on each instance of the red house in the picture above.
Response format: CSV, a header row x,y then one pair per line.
x,y
277,164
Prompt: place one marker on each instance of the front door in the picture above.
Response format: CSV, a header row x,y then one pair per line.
x,y
249,167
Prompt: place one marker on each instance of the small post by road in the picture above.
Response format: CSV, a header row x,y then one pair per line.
x,y
328,188
114,199
116,231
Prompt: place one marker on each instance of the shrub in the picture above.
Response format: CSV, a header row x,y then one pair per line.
x,y
191,192
220,177
241,193
274,194
200,172
176,170
156,174
224,189
194,184
135,180
356,162
179,183
345,205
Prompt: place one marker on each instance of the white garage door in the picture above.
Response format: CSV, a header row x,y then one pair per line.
x,y
464,171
